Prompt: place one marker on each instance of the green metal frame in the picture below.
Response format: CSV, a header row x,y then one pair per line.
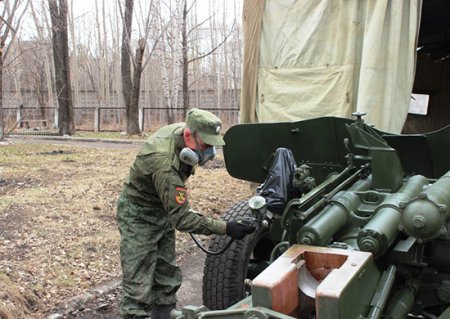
x,y
320,144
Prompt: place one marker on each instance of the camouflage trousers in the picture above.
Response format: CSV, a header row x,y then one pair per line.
x,y
147,253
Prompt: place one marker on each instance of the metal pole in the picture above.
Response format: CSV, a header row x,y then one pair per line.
x,y
382,293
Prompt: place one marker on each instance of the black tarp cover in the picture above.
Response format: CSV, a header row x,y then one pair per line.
x,y
278,189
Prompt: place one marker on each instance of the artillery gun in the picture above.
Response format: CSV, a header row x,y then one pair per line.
x,y
351,223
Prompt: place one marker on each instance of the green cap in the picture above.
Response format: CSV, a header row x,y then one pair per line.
x,y
207,125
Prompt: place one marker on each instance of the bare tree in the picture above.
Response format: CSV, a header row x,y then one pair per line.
x,y
170,53
60,42
186,41
131,77
114,67
118,66
185,63
42,60
162,56
30,75
73,57
132,110
102,38
10,20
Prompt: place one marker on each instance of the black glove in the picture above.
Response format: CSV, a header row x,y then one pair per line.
x,y
238,229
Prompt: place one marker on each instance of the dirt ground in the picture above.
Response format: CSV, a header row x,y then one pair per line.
x,y
59,251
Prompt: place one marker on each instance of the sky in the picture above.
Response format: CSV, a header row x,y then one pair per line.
x,y
82,7
85,14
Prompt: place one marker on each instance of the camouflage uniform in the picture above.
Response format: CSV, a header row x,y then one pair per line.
x,y
153,203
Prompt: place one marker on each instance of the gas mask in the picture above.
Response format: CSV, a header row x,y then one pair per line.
x,y
206,155
194,157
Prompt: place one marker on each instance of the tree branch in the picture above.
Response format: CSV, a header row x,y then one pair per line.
x,y
213,50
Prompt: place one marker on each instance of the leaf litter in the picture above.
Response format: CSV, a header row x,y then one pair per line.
x,y
58,220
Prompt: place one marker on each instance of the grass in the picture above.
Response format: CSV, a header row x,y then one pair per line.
x,y
111,135
90,134
13,303
55,197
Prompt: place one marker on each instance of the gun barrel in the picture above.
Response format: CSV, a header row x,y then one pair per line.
x,y
333,217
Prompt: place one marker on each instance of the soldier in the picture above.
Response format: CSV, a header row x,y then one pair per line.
x,y
154,202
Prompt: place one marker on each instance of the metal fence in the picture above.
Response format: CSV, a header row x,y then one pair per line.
x,y
107,118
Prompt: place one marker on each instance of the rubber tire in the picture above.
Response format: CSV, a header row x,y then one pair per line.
x,y
224,275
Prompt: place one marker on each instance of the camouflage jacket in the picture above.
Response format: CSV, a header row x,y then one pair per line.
x,y
157,179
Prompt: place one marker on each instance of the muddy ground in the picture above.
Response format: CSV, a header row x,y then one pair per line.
x,y
103,302
59,252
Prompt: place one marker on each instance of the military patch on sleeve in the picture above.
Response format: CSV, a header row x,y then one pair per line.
x,y
180,195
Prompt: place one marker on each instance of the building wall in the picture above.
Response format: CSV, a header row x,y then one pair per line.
x,y
432,78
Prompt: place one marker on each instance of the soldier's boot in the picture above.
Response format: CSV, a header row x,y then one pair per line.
x,y
162,311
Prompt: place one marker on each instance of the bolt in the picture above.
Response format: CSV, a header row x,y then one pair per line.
x,y
308,238
306,241
369,244
418,222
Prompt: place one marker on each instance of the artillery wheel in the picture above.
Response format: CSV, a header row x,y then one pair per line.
x,y
224,275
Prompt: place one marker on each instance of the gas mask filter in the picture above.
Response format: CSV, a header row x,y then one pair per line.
x,y
189,157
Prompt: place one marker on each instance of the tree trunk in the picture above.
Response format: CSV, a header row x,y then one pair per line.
x,y
185,62
165,84
134,107
115,80
73,59
105,60
177,77
40,95
47,57
60,42
2,123
131,107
